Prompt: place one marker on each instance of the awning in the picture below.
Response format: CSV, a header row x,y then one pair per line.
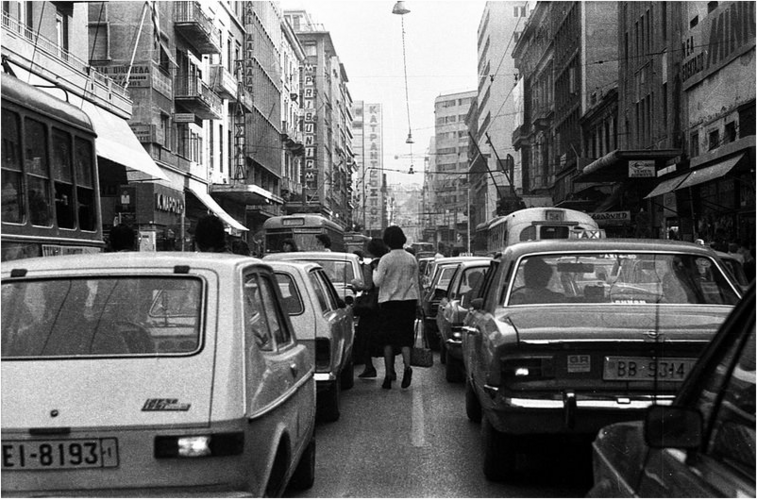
x,y
116,142
214,207
613,166
667,186
245,194
710,173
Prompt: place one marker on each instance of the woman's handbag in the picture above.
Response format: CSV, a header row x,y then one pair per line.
x,y
366,302
420,355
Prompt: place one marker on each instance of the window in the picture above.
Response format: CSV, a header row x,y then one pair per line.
x,y
320,295
255,325
38,177
292,301
714,139
310,50
61,28
275,324
730,132
85,192
99,41
13,207
63,176
519,11
711,6
694,146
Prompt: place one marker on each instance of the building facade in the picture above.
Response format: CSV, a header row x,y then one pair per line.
x,y
369,181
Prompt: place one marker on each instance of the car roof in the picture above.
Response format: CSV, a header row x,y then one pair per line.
x,y
126,261
289,265
312,255
613,245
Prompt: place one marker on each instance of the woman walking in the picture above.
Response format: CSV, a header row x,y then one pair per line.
x,y
397,279
367,342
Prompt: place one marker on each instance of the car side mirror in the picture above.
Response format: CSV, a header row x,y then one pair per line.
x,y
439,293
342,303
477,304
673,427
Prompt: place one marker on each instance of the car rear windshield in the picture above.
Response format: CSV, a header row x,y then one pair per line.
x,y
635,278
338,271
121,316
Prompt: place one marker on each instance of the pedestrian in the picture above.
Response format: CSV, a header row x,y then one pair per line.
x,y
749,263
289,245
323,242
367,342
240,247
733,251
210,235
122,239
397,278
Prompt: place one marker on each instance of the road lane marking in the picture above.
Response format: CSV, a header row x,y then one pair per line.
x,y
418,431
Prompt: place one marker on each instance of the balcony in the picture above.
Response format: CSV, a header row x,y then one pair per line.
x,y
290,135
22,46
245,98
222,82
196,97
196,27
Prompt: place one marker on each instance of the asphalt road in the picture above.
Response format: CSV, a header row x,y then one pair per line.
x,y
418,442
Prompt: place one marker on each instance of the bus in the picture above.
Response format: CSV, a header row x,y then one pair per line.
x,y
423,249
355,241
302,228
51,195
542,223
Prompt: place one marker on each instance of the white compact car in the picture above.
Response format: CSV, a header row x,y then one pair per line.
x,y
157,374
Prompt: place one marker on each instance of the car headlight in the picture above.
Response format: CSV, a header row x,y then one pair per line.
x,y
199,446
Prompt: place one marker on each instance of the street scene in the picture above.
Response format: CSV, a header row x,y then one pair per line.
x,y
398,249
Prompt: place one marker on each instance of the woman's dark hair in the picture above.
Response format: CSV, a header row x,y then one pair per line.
x,y
240,247
291,243
377,248
394,237
210,235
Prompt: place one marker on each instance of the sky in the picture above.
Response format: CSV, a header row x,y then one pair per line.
x,y
441,57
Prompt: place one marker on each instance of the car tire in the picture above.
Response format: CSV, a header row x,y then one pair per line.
x,y
328,403
499,452
472,404
304,475
347,377
454,370
442,353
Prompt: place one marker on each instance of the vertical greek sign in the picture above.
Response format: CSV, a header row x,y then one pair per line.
x,y
373,160
309,128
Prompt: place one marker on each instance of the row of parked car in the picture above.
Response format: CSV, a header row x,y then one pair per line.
x,y
171,374
645,346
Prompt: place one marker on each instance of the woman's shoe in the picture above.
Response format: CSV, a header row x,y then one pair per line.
x,y
407,377
368,373
387,383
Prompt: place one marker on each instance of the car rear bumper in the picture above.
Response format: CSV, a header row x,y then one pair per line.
x,y
214,491
573,414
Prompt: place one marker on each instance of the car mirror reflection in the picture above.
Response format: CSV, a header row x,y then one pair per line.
x,y
673,427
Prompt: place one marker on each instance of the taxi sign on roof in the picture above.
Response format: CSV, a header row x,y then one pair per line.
x,y
587,234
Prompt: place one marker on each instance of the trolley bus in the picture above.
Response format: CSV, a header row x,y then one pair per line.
x,y
50,192
537,224
302,228
355,241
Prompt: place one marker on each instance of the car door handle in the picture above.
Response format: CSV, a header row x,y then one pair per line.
x,y
470,330
293,368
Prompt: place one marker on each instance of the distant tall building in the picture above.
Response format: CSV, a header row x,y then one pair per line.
x,y
449,167
370,180
327,124
498,31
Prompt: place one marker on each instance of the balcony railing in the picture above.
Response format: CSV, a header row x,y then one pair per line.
x,y
197,97
223,82
196,27
53,59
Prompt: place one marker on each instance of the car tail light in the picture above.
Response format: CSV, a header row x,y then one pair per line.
x,y
199,446
322,354
528,368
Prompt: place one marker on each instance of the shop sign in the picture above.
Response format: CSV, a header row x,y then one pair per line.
x,y
170,204
726,33
612,218
641,168
184,117
138,77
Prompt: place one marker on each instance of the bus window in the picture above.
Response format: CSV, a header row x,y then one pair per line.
x,y
64,194
85,188
37,175
13,206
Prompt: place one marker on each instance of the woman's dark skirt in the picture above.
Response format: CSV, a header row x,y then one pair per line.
x,y
397,321
367,342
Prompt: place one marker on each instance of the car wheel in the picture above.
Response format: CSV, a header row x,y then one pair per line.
x,y
328,403
442,353
472,404
499,452
454,370
347,377
304,475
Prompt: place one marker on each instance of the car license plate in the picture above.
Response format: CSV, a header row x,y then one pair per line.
x,y
60,454
630,368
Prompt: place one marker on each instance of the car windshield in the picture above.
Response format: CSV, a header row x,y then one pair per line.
x,y
338,271
101,317
636,278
